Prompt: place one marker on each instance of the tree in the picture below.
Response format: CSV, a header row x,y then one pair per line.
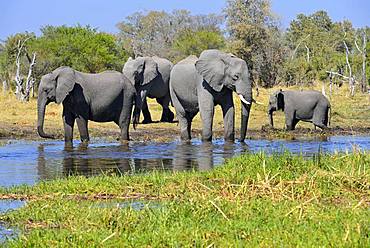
x,y
16,61
310,38
82,48
24,86
155,32
191,42
255,37
4,76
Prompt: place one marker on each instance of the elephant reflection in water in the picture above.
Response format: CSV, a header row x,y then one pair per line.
x,y
75,162
42,170
202,157
152,164
80,165
81,160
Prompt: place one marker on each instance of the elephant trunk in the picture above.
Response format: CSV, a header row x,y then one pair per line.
x,y
271,119
41,106
244,120
140,98
244,91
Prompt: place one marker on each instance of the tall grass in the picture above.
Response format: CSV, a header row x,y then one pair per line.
x,y
254,200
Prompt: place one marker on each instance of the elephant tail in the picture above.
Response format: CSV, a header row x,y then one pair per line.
x,y
175,102
329,120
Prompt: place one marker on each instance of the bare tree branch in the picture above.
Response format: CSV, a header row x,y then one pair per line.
x,y
22,90
299,43
308,53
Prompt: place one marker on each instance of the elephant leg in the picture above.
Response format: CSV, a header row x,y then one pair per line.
x,y
185,127
68,122
206,109
82,125
167,115
320,118
146,113
125,118
124,124
289,120
229,115
294,123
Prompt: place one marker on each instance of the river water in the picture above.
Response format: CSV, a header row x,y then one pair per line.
x,y
26,162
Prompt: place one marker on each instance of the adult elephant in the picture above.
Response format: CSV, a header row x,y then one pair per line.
x,y
200,84
150,76
103,97
305,105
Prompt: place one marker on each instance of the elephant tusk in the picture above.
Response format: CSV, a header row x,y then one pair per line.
x,y
243,99
257,102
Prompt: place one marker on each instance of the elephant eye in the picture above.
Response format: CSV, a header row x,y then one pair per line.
x,y
235,77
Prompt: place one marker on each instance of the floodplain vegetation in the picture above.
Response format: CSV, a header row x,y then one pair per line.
x,y
252,200
349,115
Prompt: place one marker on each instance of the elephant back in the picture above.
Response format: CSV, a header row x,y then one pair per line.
x,y
164,67
188,60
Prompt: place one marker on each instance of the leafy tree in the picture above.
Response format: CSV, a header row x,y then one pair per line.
x,y
9,53
194,42
82,48
154,33
255,37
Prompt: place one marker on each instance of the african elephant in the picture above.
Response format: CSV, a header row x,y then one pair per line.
x,y
150,76
305,105
103,97
200,84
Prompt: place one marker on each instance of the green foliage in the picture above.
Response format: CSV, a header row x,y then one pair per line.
x,y
312,45
253,200
191,42
82,48
316,45
155,32
255,37
8,54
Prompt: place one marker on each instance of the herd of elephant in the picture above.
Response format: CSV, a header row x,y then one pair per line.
x,y
192,85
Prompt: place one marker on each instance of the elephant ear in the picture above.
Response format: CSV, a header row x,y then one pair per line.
x,y
280,100
150,70
212,71
66,80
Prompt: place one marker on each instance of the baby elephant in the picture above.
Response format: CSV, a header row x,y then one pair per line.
x,y
308,105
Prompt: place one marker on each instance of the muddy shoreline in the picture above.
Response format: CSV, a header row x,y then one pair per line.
x,y
148,132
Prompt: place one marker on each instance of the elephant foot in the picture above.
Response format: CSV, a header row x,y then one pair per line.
x,y
185,137
147,121
167,117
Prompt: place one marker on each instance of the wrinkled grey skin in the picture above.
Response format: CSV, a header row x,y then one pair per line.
x,y
308,106
201,84
103,97
150,76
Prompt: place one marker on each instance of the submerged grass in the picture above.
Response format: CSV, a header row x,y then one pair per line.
x,y
253,200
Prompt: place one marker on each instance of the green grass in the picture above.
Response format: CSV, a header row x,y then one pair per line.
x,y
253,200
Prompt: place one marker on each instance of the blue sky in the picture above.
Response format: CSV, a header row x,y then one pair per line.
x,y
25,15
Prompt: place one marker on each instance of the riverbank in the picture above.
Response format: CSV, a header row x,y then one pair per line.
x,y
252,200
350,116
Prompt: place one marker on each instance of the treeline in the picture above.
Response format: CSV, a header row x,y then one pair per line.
x,y
311,47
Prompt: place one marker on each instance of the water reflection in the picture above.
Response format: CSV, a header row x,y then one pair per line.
x,y
7,233
131,158
26,162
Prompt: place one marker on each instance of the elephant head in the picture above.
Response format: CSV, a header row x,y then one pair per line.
x,y
54,87
276,102
140,71
220,70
